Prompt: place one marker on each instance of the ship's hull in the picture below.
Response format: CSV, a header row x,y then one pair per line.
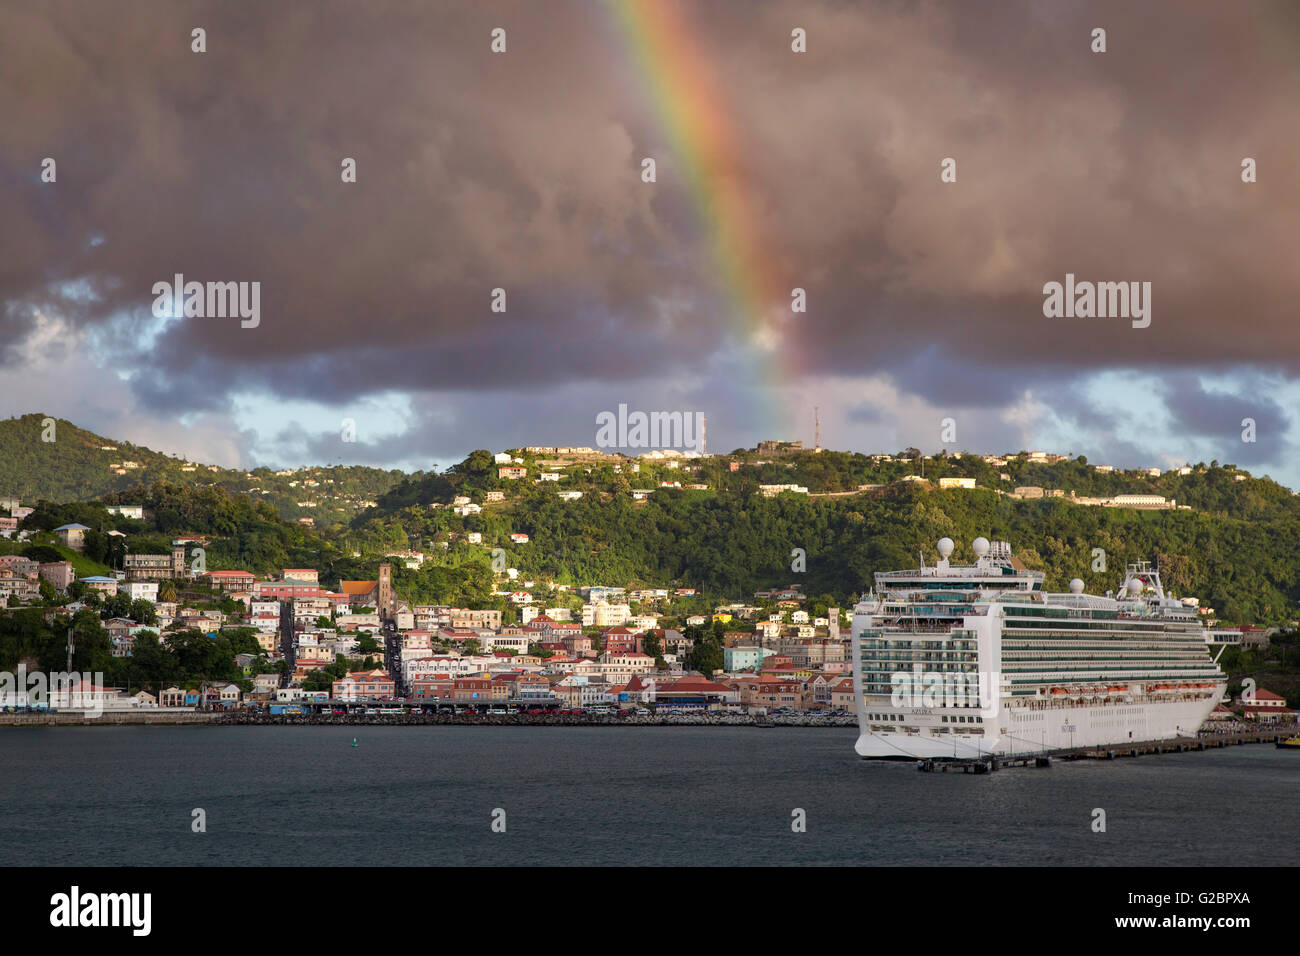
x,y
1024,730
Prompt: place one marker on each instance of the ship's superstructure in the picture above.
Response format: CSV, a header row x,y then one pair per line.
x,y
963,661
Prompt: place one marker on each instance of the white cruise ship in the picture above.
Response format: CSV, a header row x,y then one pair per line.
x,y
953,661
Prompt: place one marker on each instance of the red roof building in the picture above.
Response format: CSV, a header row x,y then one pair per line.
x,y
1265,706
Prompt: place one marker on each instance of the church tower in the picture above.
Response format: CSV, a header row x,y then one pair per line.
x,y
385,601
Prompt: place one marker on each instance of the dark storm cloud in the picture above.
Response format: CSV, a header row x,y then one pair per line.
x,y
1111,166
1074,405
521,171
16,323
474,173
864,414
1223,416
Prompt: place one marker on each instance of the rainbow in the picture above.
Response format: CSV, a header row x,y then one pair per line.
x,y
699,129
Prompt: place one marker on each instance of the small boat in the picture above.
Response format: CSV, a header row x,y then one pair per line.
x,y
1291,743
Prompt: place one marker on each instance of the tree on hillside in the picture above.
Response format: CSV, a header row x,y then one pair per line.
x,y
706,657
478,464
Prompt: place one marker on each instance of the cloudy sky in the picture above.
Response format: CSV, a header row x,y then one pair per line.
x,y
774,170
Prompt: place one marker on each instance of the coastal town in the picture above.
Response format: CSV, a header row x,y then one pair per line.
x,y
301,648
595,648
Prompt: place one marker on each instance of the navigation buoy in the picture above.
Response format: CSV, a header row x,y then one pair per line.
x,y
354,741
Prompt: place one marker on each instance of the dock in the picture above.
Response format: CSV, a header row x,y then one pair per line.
x,y
995,762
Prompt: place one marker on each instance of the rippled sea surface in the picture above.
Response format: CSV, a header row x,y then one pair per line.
x,y
591,795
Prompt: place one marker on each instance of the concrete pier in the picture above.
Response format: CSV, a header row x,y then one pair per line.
x,y
991,763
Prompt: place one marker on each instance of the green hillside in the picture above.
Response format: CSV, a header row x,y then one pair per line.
x,y
729,546
73,466
1231,549
81,466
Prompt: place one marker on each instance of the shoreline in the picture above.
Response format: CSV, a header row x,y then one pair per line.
x,y
108,719
1261,735
137,718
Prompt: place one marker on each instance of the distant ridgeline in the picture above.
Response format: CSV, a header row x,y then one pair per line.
x,y
78,465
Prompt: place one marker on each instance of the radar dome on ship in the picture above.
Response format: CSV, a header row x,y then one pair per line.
x,y
980,546
1135,587
945,547
1076,585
